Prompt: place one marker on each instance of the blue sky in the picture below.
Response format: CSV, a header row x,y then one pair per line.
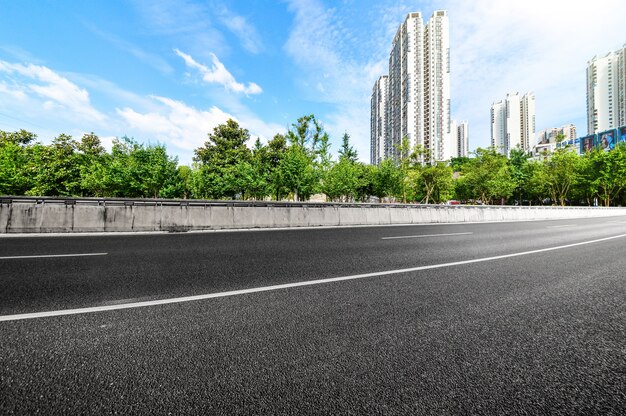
x,y
169,71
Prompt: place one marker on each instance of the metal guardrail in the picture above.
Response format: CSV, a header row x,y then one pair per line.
x,y
8,200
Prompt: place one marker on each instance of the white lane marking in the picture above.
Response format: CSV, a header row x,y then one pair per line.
x,y
562,226
47,256
287,285
422,236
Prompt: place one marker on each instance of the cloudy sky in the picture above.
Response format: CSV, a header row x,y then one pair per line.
x,y
169,71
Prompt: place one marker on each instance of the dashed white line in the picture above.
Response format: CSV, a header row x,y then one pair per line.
x,y
47,256
562,226
288,285
423,236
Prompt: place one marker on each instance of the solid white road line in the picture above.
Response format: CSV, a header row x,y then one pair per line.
x,y
47,256
422,236
289,285
562,226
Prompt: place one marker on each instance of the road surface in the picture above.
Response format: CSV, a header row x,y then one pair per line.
x,y
521,318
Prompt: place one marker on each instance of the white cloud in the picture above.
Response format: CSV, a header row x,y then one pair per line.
x,y
48,90
175,122
185,127
243,29
13,92
218,74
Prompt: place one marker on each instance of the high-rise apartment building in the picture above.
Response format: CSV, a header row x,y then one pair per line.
x,y
378,120
606,92
418,100
460,131
513,123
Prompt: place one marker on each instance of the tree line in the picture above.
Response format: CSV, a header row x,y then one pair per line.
x,y
297,165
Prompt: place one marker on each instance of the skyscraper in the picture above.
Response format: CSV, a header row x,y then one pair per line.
x,y
606,92
513,123
418,100
378,121
460,131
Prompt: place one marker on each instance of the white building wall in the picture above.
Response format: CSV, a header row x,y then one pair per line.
x,y
437,77
418,105
462,131
513,123
621,91
606,92
498,113
378,120
513,133
528,129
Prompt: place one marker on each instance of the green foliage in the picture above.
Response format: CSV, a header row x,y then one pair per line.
x,y
343,181
436,183
15,162
299,164
561,174
347,151
488,177
456,163
56,168
296,173
220,177
607,173
518,161
386,180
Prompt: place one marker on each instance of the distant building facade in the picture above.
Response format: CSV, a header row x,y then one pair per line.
x,y
462,138
460,133
378,120
547,140
513,123
418,90
606,92
568,132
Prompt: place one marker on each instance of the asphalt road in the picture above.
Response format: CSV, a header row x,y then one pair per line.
x,y
541,332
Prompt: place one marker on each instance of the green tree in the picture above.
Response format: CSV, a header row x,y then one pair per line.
x,y
535,185
218,160
409,164
15,177
436,182
342,181
561,174
307,161
270,160
608,170
297,173
57,168
365,183
180,185
386,179
456,163
487,177
136,170
518,161
93,166
347,151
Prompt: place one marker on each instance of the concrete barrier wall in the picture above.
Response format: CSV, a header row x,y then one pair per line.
x,y
18,217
